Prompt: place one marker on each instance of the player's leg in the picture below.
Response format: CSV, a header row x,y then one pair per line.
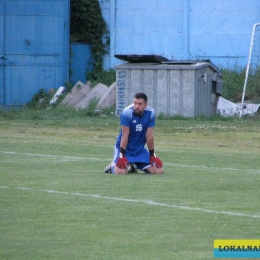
x,y
132,168
142,160
154,170
112,167
148,168
118,170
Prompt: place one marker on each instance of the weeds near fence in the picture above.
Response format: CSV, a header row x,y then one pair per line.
x,y
234,82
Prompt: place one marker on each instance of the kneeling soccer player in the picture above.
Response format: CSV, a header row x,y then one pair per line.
x,y
137,123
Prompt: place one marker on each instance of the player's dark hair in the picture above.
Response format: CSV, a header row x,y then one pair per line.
x,y
142,96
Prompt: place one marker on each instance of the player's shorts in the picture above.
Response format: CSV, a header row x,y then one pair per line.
x,y
141,160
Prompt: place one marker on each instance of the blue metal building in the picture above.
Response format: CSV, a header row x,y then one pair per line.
x,y
219,30
34,48
34,37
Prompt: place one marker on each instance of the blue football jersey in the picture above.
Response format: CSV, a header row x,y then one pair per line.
x,y
138,127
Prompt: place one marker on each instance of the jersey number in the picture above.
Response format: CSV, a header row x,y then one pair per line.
x,y
139,127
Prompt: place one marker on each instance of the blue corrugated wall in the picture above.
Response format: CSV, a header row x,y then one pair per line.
x,y
219,30
34,48
34,37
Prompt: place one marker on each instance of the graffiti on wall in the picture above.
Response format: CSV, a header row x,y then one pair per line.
x,y
121,91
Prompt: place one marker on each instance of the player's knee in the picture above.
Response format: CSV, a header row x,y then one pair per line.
x,y
159,171
118,170
155,170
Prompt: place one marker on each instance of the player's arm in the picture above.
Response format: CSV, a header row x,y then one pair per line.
x,y
122,160
154,160
124,138
150,138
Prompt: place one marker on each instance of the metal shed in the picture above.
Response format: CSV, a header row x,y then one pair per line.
x,y
34,48
185,88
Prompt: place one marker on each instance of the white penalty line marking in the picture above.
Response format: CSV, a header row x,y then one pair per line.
x,y
148,202
74,158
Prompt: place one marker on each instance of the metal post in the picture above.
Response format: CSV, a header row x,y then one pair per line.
x,y
247,68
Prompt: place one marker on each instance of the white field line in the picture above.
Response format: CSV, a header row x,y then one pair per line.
x,y
75,158
212,168
147,202
52,156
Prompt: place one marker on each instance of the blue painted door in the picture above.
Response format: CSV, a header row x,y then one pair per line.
x,y
34,48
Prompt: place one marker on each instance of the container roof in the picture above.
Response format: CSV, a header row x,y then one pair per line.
x,y
169,65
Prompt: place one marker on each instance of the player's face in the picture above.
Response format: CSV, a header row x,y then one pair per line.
x,y
139,106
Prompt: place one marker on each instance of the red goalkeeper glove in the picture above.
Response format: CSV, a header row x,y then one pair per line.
x,y
154,160
122,160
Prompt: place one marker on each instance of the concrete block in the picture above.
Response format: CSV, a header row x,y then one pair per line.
x,y
108,99
79,96
96,93
75,90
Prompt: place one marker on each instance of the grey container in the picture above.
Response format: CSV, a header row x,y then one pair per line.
x,y
185,88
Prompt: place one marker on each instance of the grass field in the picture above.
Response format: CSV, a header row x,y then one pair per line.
x,y
56,202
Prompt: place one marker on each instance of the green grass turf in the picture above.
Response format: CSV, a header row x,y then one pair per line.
x,y
56,202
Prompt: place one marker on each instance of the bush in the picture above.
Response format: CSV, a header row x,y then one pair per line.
x,y
234,82
106,77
